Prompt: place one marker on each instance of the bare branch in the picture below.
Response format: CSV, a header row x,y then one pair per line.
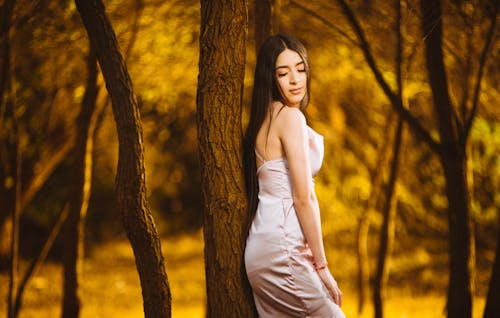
x,y
482,63
46,170
393,98
40,259
325,21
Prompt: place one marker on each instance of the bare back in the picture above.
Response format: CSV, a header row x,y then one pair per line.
x,y
268,143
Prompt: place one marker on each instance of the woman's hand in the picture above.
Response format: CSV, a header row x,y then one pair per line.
x,y
331,285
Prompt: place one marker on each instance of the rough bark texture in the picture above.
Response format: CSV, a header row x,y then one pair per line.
x,y
388,226
80,194
219,102
266,20
453,160
130,179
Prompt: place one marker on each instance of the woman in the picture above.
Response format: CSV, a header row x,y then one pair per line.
x,y
284,256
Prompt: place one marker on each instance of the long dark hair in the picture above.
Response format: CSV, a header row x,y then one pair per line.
x,y
265,91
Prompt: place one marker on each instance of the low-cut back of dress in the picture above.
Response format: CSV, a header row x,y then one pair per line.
x,y
278,262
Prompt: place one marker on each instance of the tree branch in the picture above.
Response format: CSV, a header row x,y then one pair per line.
x,y
40,259
482,63
325,21
46,170
393,98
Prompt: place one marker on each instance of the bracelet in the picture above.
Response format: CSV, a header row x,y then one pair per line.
x,y
320,267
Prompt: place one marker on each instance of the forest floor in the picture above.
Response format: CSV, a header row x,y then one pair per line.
x,y
110,287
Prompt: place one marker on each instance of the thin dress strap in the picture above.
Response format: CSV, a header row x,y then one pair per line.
x,y
259,156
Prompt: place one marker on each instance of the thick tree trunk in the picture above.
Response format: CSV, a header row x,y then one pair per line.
x,y
80,194
453,160
130,179
388,226
219,102
266,20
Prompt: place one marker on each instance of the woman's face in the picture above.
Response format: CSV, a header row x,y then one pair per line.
x,y
291,77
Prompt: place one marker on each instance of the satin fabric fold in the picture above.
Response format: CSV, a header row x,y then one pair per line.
x,y
278,261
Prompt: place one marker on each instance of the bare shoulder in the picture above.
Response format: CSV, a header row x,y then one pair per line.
x,y
291,118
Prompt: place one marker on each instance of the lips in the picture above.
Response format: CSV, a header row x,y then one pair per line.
x,y
296,90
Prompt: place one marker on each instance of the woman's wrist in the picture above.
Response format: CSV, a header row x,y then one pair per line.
x,y
320,266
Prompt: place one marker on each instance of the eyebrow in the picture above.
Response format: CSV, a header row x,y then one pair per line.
x,y
285,66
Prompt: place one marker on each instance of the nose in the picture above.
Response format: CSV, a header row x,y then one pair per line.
x,y
295,78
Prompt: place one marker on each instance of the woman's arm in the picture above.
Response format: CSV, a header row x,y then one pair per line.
x,y
294,138
292,131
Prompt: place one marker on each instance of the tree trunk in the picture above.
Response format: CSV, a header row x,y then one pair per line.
x,y
11,162
80,194
492,307
130,179
14,250
7,171
472,226
15,208
364,221
219,102
266,20
388,225
453,160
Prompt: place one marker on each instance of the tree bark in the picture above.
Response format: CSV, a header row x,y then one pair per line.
x,y
219,102
388,226
453,160
266,20
130,183
80,194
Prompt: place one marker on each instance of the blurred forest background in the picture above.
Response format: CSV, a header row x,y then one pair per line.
x,y
44,82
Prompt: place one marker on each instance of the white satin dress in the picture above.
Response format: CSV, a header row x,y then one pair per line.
x,y
278,263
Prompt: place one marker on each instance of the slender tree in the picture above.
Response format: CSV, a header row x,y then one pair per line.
x,y
267,14
453,161
219,105
365,219
388,225
7,170
11,143
130,179
80,194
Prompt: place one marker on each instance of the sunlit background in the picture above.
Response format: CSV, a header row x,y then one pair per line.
x,y
159,40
